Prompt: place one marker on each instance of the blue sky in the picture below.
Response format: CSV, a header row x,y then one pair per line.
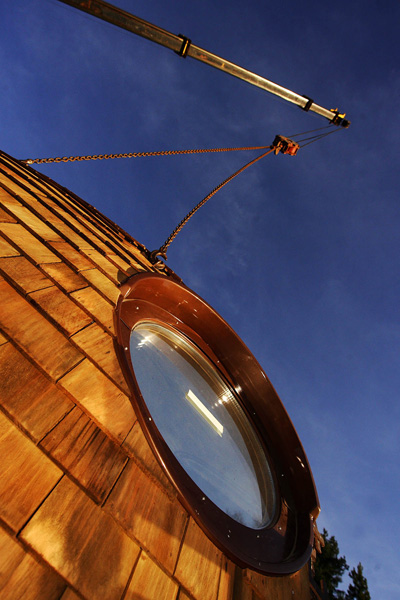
x,y
299,255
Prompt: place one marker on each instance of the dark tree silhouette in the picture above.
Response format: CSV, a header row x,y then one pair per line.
x,y
329,567
358,590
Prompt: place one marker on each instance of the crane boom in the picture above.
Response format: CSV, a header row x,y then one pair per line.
x,y
184,47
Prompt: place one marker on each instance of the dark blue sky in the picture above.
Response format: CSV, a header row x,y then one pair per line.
x,y
299,255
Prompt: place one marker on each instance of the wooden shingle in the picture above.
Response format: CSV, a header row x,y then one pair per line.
x,y
82,543
33,223
137,446
99,347
6,249
82,449
5,217
199,564
71,256
32,401
101,310
100,399
149,581
21,576
24,274
27,478
28,244
64,276
148,514
35,335
99,281
59,307
227,579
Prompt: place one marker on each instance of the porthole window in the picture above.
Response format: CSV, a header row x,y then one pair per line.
x,y
203,424
216,425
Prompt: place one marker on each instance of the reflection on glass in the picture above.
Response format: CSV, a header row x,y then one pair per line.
x,y
203,424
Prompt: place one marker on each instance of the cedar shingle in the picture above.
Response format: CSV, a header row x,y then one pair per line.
x,y
27,396
107,267
146,513
226,582
24,274
26,216
100,398
6,249
100,309
27,475
64,276
72,256
137,446
149,581
102,284
61,308
86,453
5,217
21,576
82,543
28,244
100,348
35,335
199,564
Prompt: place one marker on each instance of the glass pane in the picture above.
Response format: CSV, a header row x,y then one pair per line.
x,y
203,424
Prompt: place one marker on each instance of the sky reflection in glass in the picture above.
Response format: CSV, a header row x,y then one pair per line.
x,y
203,424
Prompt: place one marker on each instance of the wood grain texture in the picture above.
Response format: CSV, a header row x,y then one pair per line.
x,y
35,335
100,348
69,594
64,276
6,249
61,309
22,577
106,404
72,256
82,543
107,267
281,588
5,217
102,284
149,582
100,309
24,274
138,447
84,451
199,564
227,579
27,218
27,477
30,399
28,244
157,522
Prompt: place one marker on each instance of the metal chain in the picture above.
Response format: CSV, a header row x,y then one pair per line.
x,y
64,159
162,251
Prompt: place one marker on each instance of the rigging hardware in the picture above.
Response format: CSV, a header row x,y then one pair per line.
x,y
64,159
184,47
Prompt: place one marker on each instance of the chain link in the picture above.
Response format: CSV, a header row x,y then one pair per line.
x,y
163,250
64,159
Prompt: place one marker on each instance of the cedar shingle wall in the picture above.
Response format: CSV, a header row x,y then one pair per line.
x,y
85,509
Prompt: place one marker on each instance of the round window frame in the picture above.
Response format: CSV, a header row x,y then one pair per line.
x,y
285,544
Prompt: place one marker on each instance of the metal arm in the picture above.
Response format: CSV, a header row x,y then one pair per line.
x,y
183,46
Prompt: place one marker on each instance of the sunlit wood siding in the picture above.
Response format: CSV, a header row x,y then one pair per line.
x,y
85,509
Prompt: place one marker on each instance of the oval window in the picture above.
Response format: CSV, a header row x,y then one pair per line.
x,y
216,425
203,424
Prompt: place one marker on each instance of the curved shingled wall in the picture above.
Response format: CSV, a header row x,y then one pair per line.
x,y
85,509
